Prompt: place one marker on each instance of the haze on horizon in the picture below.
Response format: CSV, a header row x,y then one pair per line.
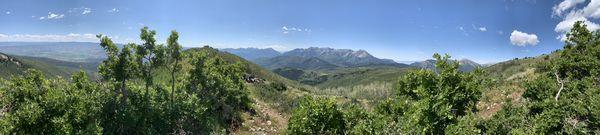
x,y
483,31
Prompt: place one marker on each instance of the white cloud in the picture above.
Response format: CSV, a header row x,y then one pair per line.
x,y
570,19
86,11
287,30
52,16
71,37
591,10
82,10
482,29
500,32
565,5
114,10
523,39
8,12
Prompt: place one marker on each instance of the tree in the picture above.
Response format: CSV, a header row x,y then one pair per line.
x,y
174,51
221,86
119,66
149,55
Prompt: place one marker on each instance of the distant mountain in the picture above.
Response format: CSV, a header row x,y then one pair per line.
x,y
309,63
252,53
427,64
325,58
65,51
466,65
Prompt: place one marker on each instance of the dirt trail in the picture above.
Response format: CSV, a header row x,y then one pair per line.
x,y
266,121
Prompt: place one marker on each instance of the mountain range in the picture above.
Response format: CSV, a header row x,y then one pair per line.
x,y
315,58
252,53
465,65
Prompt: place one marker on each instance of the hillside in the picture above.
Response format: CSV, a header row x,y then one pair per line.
x,y
16,65
270,105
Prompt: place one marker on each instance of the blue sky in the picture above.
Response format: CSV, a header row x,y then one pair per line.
x,y
484,31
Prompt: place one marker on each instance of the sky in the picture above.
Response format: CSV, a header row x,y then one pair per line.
x,y
485,31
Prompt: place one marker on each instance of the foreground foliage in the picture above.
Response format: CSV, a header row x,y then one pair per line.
x,y
127,100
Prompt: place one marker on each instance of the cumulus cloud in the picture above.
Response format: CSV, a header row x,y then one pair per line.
x,y
72,37
585,14
565,5
592,9
7,12
523,39
52,16
482,29
287,29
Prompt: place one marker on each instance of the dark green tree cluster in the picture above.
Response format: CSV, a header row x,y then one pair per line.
x,y
128,99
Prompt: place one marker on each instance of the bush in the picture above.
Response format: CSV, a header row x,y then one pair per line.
x,y
428,101
317,116
35,105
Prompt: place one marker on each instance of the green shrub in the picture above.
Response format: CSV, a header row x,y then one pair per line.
x,y
317,116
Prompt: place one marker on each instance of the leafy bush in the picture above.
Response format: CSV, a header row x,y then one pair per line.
x,y
35,105
221,86
317,116
563,97
428,102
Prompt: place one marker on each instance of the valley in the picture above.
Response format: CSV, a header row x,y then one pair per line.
x,y
350,77
310,67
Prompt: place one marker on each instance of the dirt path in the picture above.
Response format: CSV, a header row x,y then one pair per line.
x,y
274,115
266,121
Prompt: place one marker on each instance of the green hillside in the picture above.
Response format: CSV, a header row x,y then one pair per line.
x,y
16,65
